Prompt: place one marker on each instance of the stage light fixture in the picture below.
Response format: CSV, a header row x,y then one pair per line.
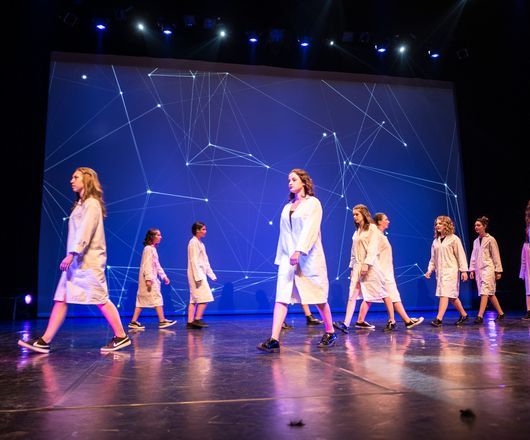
x,y
189,21
252,37
140,26
380,48
304,41
223,33
433,54
276,35
402,49
101,26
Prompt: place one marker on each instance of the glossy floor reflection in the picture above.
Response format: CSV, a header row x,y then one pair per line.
x,y
213,383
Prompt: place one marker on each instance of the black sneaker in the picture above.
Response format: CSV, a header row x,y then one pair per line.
x,y
365,325
462,319
339,325
436,322
478,320
116,344
499,317
37,345
192,326
390,326
286,326
527,316
270,346
328,340
136,325
414,322
166,323
200,323
311,320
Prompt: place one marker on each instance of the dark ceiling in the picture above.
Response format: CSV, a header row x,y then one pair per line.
x,y
465,32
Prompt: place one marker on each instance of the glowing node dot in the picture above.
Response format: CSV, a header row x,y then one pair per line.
x,y
246,277
337,278
109,267
405,144
121,93
325,134
344,163
266,166
334,134
270,222
187,164
148,74
456,196
342,196
382,123
349,163
445,184
148,191
205,200
65,218
159,105
250,155
83,76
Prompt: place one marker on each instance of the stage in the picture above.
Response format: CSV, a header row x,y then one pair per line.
x,y
213,383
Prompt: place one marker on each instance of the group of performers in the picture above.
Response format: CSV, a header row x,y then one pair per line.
x,y
302,272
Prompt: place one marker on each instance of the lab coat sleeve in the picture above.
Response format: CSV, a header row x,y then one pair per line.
x,y
495,255
432,261
159,269
373,245
147,264
91,217
311,228
522,273
460,255
193,258
473,260
209,270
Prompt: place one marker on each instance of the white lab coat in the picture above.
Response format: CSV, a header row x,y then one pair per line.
x,y
307,282
84,281
386,266
198,271
485,261
447,258
524,274
364,250
150,270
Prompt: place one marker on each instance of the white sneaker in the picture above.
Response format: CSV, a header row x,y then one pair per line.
x,y
166,323
414,322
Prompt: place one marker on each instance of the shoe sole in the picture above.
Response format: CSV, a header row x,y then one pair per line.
x,y
167,325
268,350
331,344
345,331
420,320
132,327
119,347
33,348
365,328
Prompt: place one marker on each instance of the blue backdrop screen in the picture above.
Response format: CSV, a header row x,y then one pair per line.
x,y
175,141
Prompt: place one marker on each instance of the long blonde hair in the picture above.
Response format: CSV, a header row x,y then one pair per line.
x,y
92,188
447,223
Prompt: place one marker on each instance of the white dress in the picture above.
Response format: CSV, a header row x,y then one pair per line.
x,y
524,274
84,281
386,266
447,258
364,250
485,262
150,270
307,282
198,271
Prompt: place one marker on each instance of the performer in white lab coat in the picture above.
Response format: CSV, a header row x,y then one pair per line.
x,y
447,259
524,274
149,293
83,279
302,271
198,272
485,266
366,279
386,265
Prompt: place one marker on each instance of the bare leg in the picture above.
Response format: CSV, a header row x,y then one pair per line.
x,y
350,310
442,307
280,312
110,312
458,306
136,314
494,300
160,313
325,313
201,307
363,311
398,307
307,310
389,309
191,312
528,302
56,320
482,306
